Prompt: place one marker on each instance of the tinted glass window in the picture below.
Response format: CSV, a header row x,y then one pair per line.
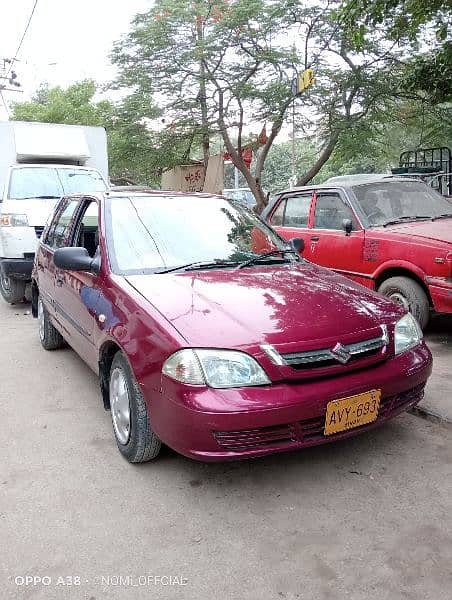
x,y
330,211
152,233
57,234
297,211
386,201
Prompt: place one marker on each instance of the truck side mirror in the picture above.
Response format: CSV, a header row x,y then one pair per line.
x,y
297,244
347,226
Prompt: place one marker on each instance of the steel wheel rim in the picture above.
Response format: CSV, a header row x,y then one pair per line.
x,y
41,319
120,405
400,299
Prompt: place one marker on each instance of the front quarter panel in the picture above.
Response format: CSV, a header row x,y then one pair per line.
x,y
133,324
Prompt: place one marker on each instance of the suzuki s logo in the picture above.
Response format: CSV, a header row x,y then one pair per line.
x,y
341,353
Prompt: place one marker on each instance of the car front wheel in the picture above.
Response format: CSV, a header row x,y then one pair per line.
x,y
409,294
134,436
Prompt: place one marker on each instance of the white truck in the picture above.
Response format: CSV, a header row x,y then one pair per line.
x,y
40,163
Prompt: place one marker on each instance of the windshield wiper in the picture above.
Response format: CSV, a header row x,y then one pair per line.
x,y
443,216
265,255
193,266
407,218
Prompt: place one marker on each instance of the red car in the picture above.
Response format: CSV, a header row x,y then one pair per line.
x,y
210,334
391,234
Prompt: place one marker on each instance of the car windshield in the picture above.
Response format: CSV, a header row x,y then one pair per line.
x,y
146,234
52,182
390,201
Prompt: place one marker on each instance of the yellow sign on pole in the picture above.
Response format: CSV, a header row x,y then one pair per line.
x,y
305,80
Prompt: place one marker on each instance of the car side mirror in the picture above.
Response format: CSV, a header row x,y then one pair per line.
x,y
347,226
297,244
76,259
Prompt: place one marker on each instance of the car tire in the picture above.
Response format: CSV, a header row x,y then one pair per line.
x,y
12,290
131,425
51,338
408,293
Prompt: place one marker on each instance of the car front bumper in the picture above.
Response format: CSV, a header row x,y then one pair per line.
x,y
17,268
208,424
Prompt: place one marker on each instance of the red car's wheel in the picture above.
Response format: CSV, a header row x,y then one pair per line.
x,y
409,294
134,436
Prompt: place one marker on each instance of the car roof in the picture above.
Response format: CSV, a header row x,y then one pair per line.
x,y
114,192
344,181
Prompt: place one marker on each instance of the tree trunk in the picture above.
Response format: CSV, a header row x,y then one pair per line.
x,y
323,158
203,100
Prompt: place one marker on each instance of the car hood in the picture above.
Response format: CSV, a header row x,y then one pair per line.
x,y
440,230
275,305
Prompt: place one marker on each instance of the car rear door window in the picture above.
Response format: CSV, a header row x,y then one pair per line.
x,y
56,236
330,211
297,211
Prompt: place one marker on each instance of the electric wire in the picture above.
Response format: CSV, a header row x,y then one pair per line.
x,y
23,37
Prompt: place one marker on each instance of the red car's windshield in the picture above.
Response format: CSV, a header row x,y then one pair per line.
x,y
389,201
148,233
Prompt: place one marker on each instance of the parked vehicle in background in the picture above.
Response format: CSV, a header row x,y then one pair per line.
x,y
40,163
390,234
210,334
432,165
242,195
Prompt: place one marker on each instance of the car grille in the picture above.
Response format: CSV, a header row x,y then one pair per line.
x,y
325,357
39,230
309,431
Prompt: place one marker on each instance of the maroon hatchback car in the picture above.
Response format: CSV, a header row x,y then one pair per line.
x,y
209,332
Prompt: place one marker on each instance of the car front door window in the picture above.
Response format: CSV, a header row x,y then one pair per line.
x,y
330,212
59,229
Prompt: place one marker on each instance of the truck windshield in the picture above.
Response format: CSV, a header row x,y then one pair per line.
x,y
389,202
52,182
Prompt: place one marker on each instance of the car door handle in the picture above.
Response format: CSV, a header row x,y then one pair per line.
x,y
59,280
315,238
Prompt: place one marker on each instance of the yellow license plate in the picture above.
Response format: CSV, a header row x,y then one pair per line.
x,y
354,411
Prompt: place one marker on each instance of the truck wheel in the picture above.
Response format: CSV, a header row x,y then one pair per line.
x,y
12,290
409,294
51,338
135,439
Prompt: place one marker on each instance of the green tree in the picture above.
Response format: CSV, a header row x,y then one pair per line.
x,y
424,28
211,66
215,66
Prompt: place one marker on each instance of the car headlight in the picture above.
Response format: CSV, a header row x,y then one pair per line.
x,y
215,368
407,334
14,220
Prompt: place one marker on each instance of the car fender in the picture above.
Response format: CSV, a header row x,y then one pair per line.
x,y
399,264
